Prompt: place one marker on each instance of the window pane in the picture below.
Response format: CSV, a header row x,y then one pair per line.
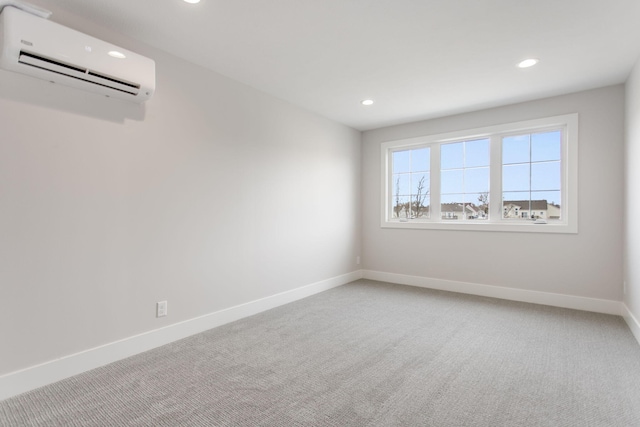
x,y
511,196
476,153
514,204
551,202
451,156
528,184
420,160
420,183
545,146
550,196
476,180
545,176
482,203
401,161
515,177
401,184
410,183
420,207
451,210
531,206
451,198
515,149
452,181
464,176
400,206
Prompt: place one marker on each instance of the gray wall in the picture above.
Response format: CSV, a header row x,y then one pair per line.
x,y
587,264
632,193
211,195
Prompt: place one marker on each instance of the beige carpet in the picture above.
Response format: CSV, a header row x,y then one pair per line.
x,y
366,354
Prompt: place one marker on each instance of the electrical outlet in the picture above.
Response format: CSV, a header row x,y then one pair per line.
x,y
161,308
358,260
624,287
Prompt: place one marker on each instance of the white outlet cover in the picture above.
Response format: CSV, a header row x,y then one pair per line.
x,y
161,308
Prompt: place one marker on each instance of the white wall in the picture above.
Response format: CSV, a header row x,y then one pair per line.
x,y
587,264
210,196
632,199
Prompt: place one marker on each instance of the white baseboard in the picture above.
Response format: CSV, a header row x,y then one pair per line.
x,y
632,321
49,372
535,297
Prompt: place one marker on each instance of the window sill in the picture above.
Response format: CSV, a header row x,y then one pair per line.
x,y
514,227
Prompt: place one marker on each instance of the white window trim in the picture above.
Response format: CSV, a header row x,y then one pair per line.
x,y
569,202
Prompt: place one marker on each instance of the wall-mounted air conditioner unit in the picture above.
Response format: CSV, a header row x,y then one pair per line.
x,y
41,48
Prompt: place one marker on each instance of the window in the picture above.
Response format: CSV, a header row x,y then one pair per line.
x,y
410,179
513,177
532,175
464,178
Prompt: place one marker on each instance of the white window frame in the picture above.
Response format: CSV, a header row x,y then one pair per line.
x,y
569,180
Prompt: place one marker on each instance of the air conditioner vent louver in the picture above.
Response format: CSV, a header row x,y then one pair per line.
x,y
41,48
83,74
113,79
51,61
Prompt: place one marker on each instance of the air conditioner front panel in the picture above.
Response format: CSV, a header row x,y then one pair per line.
x,y
44,49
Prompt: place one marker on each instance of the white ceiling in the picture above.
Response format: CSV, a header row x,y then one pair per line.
x,y
417,59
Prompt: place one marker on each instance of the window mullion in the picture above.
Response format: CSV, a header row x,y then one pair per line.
x,y
435,182
388,186
495,179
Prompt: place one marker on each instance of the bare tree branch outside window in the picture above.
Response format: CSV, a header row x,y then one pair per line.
x,y
397,208
418,202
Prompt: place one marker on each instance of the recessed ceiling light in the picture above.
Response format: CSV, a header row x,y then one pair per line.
x,y
192,1
367,102
117,54
528,63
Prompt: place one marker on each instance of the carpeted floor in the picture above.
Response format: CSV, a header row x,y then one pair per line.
x,y
366,354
